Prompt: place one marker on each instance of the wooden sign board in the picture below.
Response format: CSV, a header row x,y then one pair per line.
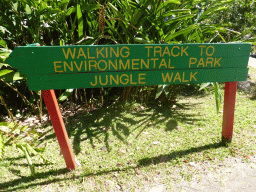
x,y
62,67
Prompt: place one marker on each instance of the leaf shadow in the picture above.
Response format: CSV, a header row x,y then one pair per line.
x,y
114,120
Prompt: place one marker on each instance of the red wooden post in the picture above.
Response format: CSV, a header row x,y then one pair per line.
x,y
59,127
229,111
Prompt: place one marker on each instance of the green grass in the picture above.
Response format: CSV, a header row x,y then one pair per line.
x,y
252,72
133,147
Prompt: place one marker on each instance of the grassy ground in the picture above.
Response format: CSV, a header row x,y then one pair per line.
x,y
133,148
252,71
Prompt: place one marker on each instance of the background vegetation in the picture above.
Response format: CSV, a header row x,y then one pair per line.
x,y
81,22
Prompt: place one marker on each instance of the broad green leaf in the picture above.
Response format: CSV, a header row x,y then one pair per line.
x,y
183,17
121,16
15,6
3,43
1,146
15,128
10,125
4,53
62,42
181,32
70,10
142,41
23,128
80,21
65,95
36,151
4,123
13,76
177,11
217,96
159,91
5,71
27,9
38,92
90,7
30,164
204,85
64,1
54,11
163,5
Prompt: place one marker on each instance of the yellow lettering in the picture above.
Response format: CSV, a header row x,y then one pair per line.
x,y
133,63
201,62
177,76
127,65
115,80
127,52
81,53
142,62
169,65
88,52
184,51
85,65
100,52
133,83
101,81
95,81
217,61
154,59
177,47
79,68
106,48
183,77
163,63
69,52
209,60
113,51
126,79
106,65
202,49
167,76
213,50
142,78
70,67
192,61
57,66
91,65
110,63
148,47
193,76
166,51
157,51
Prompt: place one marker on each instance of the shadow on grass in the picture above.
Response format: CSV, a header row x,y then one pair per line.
x,y
4,186
88,126
177,154
30,180
121,121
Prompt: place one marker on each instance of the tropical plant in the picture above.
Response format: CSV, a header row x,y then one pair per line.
x,y
22,138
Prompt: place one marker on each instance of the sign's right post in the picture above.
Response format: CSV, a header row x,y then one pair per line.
x,y
228,111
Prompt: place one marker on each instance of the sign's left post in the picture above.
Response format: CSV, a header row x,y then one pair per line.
x,y
59,127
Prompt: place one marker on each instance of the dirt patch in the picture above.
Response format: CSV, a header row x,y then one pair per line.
x,y
233,174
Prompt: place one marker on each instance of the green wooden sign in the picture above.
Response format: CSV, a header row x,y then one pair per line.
x,y
62,67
